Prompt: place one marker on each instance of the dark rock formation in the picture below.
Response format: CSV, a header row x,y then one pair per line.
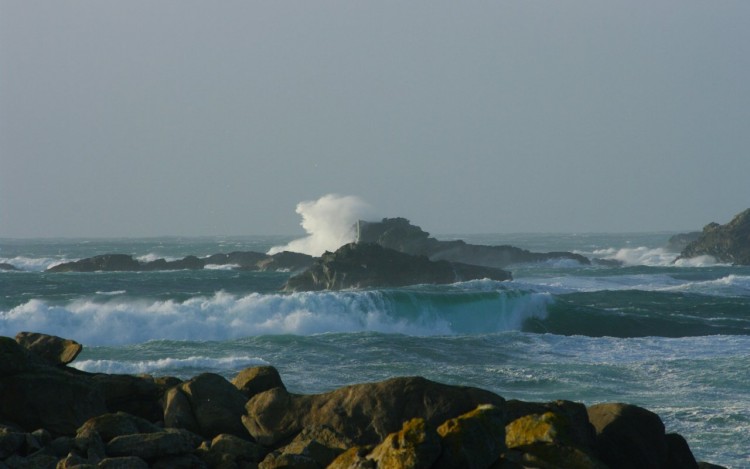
x,y
726,243
401,235
415,445
359,265
34,394
109,426
314,446
474,439
287,261
571,422
364,413
148,446
6,266
105,262
257,379
207,405
54,416
230,451
140,396
243,259
629,436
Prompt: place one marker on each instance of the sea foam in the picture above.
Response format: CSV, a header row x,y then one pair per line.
x,y
167,365
329,223
653,257
33,264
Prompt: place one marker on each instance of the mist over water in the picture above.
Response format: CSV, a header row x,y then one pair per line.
x,y
328,222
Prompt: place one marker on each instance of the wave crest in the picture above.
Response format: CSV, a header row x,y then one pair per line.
x,y
653,257
167,365
225,316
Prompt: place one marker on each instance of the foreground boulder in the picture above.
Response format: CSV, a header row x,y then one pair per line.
x,y
137,395
257,379
474,439
399,234
34,394
629,436
55,350
728,243
358,265
55,416
207,405
364,413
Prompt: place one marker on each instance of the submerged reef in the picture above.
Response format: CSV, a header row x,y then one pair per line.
x,y
52,415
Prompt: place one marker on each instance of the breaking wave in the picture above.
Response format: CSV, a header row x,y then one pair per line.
x,y
224,316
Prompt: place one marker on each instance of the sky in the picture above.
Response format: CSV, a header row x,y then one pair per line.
x,y
149,118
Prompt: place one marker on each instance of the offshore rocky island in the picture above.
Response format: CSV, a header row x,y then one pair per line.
x,y
393,252
389,253
54,416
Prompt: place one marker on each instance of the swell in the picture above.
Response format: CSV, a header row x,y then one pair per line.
x,y
638,313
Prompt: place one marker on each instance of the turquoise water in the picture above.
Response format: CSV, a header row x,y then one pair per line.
x,y
674,338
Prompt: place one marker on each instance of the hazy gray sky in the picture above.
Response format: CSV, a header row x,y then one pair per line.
x,y
140,118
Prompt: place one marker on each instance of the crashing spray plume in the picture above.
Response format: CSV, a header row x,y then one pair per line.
x,y
329,222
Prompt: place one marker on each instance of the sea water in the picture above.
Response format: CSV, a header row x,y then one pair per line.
x,y
671,337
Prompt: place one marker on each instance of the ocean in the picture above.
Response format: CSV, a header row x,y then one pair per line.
x,y
671,337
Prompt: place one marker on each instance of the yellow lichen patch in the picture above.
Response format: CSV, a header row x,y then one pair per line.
x,y
354,457
534,428
474,439
414,446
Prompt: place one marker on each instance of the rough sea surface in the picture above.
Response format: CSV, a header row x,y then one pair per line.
x,y
672,337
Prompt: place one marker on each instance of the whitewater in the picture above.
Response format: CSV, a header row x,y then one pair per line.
x,y
672,337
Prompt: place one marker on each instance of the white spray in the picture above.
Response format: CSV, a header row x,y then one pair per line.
x,y
329,222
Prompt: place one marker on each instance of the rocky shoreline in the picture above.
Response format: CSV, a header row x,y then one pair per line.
x,y
729,243
54,416
241,260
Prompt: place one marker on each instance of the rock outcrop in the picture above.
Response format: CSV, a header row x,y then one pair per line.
x,y
55,416
241,260
399,234
630,436
728,243
360,265
103,263
364,413
678,242
54,350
